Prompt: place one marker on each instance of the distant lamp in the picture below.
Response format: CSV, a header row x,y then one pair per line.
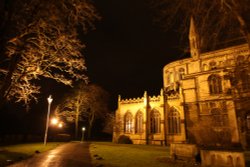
x,y
60,125
83,130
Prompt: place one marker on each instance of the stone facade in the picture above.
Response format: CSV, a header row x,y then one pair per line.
x,y
204,100
141,119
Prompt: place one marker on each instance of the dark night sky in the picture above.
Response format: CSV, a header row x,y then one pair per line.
x,y
125,55
126,52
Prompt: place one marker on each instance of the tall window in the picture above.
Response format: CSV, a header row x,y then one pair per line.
x,y
205,67
248,122
155,121
181,73
219,119
245,80
139,122
240,60
215,85
167,77
174,124
170,78
128,122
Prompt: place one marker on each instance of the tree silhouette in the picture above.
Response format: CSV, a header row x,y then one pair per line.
x,y
85,103
40,40
216,21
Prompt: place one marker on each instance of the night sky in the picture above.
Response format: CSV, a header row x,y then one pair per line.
x,y
127,51
124,55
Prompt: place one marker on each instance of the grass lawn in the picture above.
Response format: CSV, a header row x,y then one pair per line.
x,y
127,155
13,153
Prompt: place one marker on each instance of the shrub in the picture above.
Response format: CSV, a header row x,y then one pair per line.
x,y
124,140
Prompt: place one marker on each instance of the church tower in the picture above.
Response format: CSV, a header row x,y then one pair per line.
x,y
194,40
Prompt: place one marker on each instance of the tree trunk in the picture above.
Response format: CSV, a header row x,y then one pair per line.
x,y
77,117
91,120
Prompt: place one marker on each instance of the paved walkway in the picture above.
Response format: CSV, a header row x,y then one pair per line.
x,y
74,154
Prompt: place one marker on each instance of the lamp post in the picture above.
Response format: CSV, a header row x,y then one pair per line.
x,y
83,130
47,122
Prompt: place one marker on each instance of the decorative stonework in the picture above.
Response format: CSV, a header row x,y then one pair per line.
x,y
202,90
211,158
184,151
132,100
154,98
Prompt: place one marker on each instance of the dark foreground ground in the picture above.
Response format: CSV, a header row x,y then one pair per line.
x,y
73,154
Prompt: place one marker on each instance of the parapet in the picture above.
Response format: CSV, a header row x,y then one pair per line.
x,y
132,100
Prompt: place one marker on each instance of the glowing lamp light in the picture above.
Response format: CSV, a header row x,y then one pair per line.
x,y
50,99
60,125
83,130
54,121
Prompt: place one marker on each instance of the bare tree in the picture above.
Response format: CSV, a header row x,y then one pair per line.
x,y
85,103
40,40
113,125
216,20
110,123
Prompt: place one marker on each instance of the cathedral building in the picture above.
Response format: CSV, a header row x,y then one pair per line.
x,y
204,100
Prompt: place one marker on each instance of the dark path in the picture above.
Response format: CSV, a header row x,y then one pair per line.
x,y
74,154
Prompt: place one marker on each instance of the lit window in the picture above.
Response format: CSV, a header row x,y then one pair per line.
x,y
181,73
128,122
205,67
170,78
174,124
248,122
215,85
139,122
155,122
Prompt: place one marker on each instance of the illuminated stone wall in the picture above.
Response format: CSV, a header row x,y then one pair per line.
x,y
145,105
197,104
202,101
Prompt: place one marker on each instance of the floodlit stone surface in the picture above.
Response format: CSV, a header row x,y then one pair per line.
x,y
204,101
222,158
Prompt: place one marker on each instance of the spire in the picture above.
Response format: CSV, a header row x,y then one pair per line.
x,y
145,98
193,40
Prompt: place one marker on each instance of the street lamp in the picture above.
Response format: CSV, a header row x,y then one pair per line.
x,y
83,130
60,125
54,121
47,122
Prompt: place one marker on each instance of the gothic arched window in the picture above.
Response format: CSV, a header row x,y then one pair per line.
x,y
248,122
240,60
174,124
139,122
245,80
205,67
181,73
170,77
155,121
215,84
128,122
